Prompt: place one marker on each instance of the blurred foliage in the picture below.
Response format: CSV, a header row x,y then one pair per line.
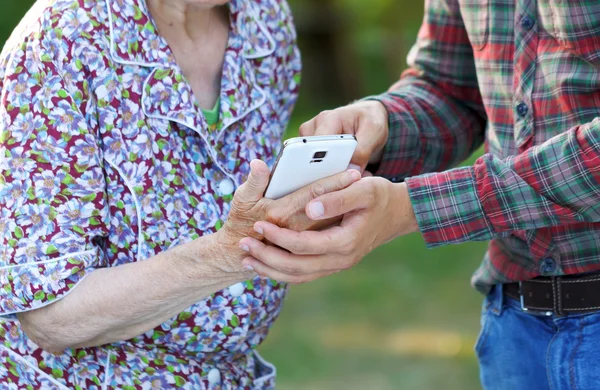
x,y
405,318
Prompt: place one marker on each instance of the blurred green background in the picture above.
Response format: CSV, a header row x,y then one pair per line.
x,y
405,318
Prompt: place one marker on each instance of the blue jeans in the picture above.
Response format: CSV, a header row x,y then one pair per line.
x,y
518,350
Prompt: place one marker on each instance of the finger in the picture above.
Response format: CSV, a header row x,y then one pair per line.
x,y
367,174
369,122
362,154
254,188
307,128
281,260
332,240
265,271
321,187
355,197
331,122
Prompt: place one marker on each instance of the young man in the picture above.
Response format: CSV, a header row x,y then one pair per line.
x,y
523,76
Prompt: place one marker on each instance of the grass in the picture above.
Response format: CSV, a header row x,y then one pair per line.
x,y
404,318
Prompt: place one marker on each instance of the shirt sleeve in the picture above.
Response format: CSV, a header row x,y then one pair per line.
x,y
436,115
556,183
53,207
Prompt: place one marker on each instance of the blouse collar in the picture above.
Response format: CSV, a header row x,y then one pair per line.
x,y
135,39
166,95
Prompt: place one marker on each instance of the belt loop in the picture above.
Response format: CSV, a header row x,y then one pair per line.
x,y
498,301
557,295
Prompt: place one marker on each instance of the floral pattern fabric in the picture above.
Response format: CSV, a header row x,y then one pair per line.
x,y
106,159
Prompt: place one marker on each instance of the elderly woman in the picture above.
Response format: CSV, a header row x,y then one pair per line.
x,y
126,126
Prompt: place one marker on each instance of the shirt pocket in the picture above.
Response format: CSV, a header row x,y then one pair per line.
x,y
575,24
475,14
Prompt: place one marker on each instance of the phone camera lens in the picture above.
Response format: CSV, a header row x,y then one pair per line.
x,y
320,155
304,140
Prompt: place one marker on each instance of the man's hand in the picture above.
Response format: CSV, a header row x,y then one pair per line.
x,y
367,120
374,212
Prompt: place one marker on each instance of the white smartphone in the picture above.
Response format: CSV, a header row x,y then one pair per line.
x,y
304,160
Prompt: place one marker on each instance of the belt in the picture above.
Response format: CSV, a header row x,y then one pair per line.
x,y
557,295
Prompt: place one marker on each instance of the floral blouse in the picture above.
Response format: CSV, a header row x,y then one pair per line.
x,y
106,159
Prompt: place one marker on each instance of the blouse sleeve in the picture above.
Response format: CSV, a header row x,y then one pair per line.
x,y
53,207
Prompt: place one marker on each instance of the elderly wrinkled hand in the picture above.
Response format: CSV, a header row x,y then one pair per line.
x,y
249,206
374,212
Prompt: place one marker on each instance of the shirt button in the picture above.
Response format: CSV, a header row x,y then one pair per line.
x,y
522,109
226,187
214,377
527,23
548,266
237,289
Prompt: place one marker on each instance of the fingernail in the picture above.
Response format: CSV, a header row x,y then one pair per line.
x,y
354,166
245,248
316,209
248,267
258,230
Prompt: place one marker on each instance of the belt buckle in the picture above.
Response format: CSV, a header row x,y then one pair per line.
x,y
522,297
527,310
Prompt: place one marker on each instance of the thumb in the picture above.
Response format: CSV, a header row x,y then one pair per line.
x,y
337,203
254,188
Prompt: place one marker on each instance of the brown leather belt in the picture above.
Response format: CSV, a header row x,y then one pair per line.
x,y
558,295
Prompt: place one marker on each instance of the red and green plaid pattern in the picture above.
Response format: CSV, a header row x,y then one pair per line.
x,y
524,77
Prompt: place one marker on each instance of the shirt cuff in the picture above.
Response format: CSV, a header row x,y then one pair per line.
x,y
447,207
403,146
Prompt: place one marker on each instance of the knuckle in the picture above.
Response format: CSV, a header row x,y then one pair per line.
x,y
237,207
304,129
350,246
291,269
377,118
317,189
370,191
297,248
347,250
360,154
338,203
276,216
325,113
345,265
270,214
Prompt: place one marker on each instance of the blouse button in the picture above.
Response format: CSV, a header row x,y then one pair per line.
x,y
237,289
226,187
214,377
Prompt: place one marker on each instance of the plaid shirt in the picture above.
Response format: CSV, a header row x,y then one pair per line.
x,y
523,76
